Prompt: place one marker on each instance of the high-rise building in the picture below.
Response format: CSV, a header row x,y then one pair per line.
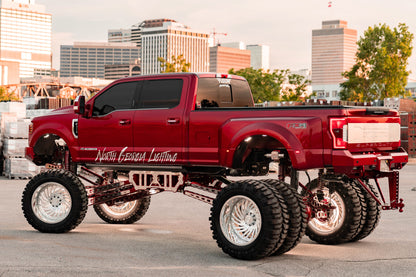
x,y
166,38
25,36
119,35
9,73
88,59
133,34
260,56
222,59
333,52
117,71
236,44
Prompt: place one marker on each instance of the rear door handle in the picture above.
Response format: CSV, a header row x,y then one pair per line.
x,y
125,122
173,121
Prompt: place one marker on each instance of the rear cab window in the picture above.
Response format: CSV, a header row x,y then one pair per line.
x,y
160,94
223,93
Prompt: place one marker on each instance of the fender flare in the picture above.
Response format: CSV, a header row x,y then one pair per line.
x,y
289,141
58,131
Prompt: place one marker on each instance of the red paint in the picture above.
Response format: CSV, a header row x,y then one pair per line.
x,y
184,135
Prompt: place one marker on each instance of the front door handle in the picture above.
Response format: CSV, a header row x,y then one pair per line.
x,y
125,122
173,121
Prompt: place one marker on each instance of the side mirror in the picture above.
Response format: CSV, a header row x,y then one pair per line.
x,y
79,105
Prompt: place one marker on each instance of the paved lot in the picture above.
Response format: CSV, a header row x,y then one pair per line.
x,y
174,239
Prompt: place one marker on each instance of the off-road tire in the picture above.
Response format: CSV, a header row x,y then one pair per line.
x,y
363,205
285,214
50,192
350,211
296,210
268,214
373,213
125,213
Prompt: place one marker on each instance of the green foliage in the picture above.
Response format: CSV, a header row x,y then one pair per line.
x,y
176,64
7,96
278,85
380,68
297,86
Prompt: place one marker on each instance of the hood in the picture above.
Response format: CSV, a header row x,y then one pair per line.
x,y
64,110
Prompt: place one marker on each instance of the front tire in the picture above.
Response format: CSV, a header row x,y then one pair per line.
x,y
123,213
246,220
54,201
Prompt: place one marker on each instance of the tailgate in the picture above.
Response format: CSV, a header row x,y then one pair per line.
x,y
363,130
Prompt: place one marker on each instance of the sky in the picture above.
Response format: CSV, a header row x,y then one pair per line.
x,y
286,26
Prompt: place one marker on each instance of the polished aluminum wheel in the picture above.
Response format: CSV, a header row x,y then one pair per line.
x,y
335,216
121,209
51,202
240,220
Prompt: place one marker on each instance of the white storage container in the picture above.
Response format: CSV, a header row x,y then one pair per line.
x,y
20,168
14,107
18,129
14,147
6,118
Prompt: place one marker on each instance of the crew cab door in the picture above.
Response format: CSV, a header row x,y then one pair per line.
x,y
109,129
158,125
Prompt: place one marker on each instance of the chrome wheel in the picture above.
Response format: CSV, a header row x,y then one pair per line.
x,y
51,202
335,217
121,209
240,220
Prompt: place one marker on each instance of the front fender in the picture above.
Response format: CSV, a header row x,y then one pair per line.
x,y
61,127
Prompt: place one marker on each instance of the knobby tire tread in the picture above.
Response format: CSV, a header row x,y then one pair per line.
x,y
298,218
272,220
134,216
352,220
78,196
373,213
363,206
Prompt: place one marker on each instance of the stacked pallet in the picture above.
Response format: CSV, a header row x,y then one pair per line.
x,y
52,103
408,132
407,108
14,134
400,104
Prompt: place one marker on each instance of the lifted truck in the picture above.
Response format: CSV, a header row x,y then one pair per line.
x,y
187,133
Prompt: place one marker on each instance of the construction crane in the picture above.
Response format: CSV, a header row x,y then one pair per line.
x,y
214,35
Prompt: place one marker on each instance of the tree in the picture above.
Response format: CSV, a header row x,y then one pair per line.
x,y
177,64
7,96
295,89
380,66
278,85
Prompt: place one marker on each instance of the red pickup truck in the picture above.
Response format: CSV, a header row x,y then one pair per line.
x,y
188,132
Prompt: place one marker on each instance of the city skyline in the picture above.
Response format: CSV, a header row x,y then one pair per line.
x,y
285,26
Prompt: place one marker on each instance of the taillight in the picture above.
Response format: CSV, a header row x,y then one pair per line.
x,y
30,129
339,132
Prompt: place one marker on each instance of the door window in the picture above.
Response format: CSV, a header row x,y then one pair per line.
x,y
161,93
118,97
